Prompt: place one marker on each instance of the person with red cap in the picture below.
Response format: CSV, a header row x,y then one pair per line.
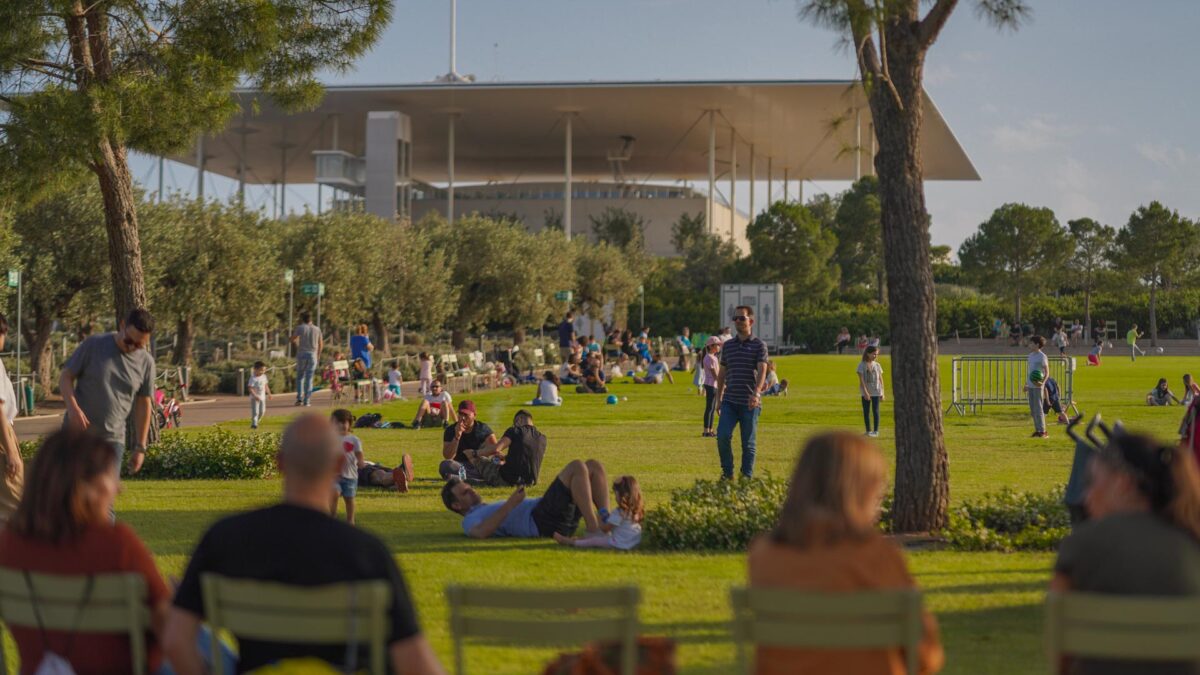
x,y
468,434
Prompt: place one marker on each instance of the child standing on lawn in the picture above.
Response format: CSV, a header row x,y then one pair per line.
x,y
395,379
259,390
870,386
1038,367
352,460
621,529
425,376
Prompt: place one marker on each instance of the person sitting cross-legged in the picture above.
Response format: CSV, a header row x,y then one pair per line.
x,y
579,491
436,408
296,543
655,372
490,464
467,435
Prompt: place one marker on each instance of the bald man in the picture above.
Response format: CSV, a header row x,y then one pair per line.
x,y
296,543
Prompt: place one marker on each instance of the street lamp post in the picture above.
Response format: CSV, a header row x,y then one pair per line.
x,y
642,296
14,279
290,277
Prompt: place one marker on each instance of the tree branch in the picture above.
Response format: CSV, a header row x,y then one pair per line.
x,y
933,22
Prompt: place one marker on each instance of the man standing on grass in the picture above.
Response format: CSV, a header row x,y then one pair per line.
x,y
308,341
566,335
1132,337
743,370
109,377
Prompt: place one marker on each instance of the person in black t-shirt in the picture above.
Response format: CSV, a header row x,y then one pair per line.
x,y
468,434
296,543
525,446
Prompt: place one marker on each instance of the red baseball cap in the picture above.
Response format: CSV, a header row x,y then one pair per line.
x,y
467,405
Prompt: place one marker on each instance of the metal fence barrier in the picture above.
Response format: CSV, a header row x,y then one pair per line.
x,y
1000,380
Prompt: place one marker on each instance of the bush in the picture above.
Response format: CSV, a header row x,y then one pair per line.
x,y
217,454
1009,521
715,515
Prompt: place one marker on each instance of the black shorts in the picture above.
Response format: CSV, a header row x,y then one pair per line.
x,y
556,512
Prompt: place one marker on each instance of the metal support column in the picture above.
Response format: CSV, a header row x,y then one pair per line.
x,y
241,168
161,162
568,186
800,190
732,180
785,184
857,144
770,180
712,170
200,168
871,157
752,182
283,178
450,170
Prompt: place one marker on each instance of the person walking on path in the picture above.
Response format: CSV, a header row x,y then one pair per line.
x,y
109,377
743,370
870,386
308,341
1038,367
1131,338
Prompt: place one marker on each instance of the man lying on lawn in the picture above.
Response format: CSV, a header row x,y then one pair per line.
x,y
579,491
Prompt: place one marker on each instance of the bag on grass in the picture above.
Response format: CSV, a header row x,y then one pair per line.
x,y
368,420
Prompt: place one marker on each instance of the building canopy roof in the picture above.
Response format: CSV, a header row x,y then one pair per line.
x,y
508,132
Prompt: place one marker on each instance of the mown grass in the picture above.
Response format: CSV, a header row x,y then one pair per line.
x,y
988,604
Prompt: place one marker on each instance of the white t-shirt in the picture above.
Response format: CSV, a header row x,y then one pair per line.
x,y
395,379
437,401
773,377
258,387
872,375
657,370
426,369
351,447
626,534
1037,361
8,395
548,392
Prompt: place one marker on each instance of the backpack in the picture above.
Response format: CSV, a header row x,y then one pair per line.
x,y
369,420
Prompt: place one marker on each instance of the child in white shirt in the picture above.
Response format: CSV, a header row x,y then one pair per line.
x,y
259,390
622,529
425,377
395,379
346,486
548,390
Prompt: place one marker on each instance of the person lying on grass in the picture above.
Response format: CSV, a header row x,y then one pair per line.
x,y
579,491
490,465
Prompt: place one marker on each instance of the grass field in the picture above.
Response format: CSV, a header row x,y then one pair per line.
x,y
988,604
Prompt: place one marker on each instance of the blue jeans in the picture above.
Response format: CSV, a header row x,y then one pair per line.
x,y
306,365
871,407
746,418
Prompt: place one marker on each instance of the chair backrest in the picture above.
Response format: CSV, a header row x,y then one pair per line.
x,y
1096,625
341,365
333,614
116,605
539,357
777,617
545,617
477,360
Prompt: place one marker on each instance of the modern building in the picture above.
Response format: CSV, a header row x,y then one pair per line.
x,y
564,152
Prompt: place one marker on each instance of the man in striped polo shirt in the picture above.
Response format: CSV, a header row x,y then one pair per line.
x,y
743,370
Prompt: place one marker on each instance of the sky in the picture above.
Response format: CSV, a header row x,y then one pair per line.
x,y
1088,108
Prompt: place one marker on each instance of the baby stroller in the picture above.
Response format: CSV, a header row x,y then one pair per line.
x,y
167,412
333,379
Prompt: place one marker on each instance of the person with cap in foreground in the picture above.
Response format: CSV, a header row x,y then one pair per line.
x,y
466,435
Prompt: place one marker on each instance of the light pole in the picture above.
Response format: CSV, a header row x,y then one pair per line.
x,y
290,277
14,279
642,296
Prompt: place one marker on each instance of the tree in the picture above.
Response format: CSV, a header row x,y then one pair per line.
x,y
1154,245
706,256
417,288
217,270
1019,250
945,270
549,266
890,40
860,241
789,246
605,276
61,253
621,228
85,81
1092,248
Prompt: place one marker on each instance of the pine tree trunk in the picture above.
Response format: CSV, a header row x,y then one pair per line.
x,y
881,287
922,488
185,338
1153,314
381,332
518,335
120,221
41,353
458,338
1087,313
1018,301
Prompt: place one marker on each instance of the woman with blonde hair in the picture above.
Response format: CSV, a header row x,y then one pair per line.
x,y
827,540
360,345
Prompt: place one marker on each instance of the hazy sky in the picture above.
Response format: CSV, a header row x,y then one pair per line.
x,y
1089,109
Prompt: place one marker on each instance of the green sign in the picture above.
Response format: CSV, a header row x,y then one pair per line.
x,y
289,276
564,296
313,289
14,278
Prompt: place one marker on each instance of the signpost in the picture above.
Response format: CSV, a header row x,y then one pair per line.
x,y
642,298
317,289
14,281
564,296
290,277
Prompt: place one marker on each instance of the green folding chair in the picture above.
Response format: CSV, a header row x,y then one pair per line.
x,y
334,614
114,604
536,617
777,617
1103,625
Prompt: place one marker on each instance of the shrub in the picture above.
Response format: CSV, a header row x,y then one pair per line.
x,y
715,515
211,454
1009,521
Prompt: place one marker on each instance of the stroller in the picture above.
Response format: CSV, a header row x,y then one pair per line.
x,y
335,380
167,412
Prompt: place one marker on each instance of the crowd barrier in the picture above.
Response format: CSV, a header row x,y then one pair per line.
x,y
977,381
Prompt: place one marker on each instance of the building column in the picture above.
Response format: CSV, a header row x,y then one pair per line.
x,y
732,180
241,169
450,170
751,182
770,180
568,185
712,170
200,167
800,190
785,184
871,157
161,163
857,144
283,176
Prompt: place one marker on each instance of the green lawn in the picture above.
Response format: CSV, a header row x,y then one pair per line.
x,y
988,604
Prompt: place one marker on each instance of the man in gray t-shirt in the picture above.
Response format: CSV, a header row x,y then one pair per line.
x,y
307,338
109,377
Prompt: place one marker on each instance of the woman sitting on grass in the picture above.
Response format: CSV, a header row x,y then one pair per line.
x,y
1143,536
548,390
1161,394
827,541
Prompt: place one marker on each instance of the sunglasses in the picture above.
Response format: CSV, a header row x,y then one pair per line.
x,y
740,319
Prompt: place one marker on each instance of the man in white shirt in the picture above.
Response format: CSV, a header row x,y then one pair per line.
x,y
12,482
436,409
